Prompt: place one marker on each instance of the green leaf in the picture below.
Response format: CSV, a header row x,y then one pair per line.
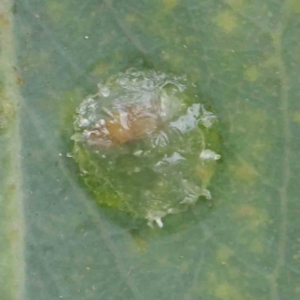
x,y
56,243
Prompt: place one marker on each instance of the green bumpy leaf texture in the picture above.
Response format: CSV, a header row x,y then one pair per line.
x,y
244,57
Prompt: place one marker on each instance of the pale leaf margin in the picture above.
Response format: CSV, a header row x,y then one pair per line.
x,y
11,205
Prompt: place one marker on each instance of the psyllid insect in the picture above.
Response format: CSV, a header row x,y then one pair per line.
x,y
145,145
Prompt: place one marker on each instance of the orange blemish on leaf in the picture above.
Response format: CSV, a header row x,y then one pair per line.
x,y
132,123
247,210
20,80
244,172
4,20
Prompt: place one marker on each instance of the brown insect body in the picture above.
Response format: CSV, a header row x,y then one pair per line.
x,y
127,124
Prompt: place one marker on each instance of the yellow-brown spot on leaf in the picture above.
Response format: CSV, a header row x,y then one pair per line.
x,y
296,117
140,243
20,80
100,69
223,254
226,21
294,6
270,60
261,218
176,58
3,21
258,116
11,188
169,3
251,74
14,236
225,291
235,4
184,267
163,260
256,246
244,171
260,149
252,218
132,18
247,210
205,173
56,10
212,278
7,112
117,55
192,40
